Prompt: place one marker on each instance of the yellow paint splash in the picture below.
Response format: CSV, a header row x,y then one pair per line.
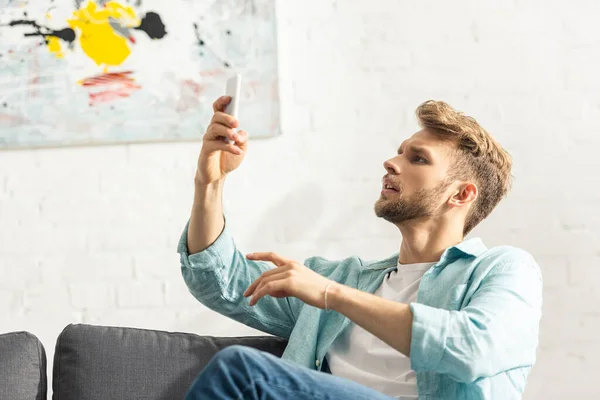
x,y
54,47
97,38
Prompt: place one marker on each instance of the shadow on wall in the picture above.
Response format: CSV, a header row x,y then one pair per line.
x,y
300,226
292,219
298,220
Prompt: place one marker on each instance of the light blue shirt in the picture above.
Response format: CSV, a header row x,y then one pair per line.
x,y
475,322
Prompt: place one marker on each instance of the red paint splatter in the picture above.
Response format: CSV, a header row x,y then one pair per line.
x,y
108,78
193,86
212,72
188,95
5,117
121,85
108,95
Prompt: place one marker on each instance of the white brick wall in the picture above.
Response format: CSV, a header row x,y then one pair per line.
x,y
89,234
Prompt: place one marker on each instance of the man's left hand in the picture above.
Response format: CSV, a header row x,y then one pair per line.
x,y
290,278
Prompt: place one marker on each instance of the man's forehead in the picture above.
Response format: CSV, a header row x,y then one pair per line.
x,y
429,141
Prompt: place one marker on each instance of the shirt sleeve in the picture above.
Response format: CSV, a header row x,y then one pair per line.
x,y
219,275
496,331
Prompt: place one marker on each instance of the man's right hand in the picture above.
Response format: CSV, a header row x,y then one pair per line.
x,y
217,157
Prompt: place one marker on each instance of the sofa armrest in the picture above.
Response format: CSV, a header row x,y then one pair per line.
x,y
102,362
22,367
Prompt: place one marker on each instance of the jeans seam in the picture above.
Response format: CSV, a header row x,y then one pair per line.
x,y
248,386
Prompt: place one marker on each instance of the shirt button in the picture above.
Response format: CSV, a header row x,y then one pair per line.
x,y
317,363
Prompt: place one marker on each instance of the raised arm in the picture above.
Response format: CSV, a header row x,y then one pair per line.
x,y
214,270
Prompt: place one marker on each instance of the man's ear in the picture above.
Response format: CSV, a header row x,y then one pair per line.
x,y
465,194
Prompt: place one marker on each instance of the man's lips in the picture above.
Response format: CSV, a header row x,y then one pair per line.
x,y
387,185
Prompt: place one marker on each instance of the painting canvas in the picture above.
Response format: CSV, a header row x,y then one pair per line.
x,y
82,72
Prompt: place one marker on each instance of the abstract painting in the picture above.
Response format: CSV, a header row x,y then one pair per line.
x,y
83,72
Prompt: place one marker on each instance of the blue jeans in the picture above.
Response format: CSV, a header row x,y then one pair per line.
x,y
240,372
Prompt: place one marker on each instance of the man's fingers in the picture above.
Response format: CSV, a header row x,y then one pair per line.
x,y
214,145
224,119
218,131
269,256
265,277
275,286
220,103
242,137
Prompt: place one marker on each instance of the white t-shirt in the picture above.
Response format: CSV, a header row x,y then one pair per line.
x,y
363,358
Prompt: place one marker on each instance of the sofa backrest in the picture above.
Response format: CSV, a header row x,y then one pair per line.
x,y
102,362
22,367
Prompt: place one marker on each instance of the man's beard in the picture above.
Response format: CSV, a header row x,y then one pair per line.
x,y
422,204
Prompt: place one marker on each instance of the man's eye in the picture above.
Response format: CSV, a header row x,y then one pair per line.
x,y
420,160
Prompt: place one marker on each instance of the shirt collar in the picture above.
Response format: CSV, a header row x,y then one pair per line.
x,y
472,247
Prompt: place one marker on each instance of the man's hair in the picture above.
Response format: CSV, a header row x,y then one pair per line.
x,y
478,156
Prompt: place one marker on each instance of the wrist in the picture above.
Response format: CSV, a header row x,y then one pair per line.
x,y
334,295
208,187
207,195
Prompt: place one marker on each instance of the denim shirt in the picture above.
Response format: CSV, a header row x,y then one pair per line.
x,y
475,322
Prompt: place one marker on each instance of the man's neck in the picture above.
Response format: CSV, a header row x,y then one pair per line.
x,y
420,244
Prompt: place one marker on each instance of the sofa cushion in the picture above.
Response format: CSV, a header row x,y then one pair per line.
x,y
102,362
22,367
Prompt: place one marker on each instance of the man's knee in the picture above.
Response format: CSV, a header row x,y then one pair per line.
x,y
236,352
233,363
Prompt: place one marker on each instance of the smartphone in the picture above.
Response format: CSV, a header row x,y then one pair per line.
x,y
233,90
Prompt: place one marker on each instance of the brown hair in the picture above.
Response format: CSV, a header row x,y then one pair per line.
x,y
478,156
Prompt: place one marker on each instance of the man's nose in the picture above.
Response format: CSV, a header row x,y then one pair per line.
x,y
391,167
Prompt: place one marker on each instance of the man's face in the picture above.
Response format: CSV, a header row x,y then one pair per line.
x,y
419,177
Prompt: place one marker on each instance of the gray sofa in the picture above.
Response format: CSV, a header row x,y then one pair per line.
x,y
22,367
102,362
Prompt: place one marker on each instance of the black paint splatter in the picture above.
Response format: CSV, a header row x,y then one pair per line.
x,y
152,25
67,34
201,43
228,32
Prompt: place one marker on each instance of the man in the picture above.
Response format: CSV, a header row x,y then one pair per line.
x,y
443,318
